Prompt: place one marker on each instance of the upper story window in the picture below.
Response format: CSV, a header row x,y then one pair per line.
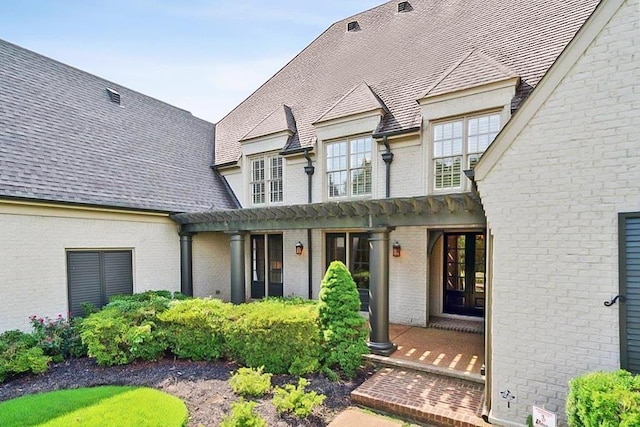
x,y
458,145
266,179
349,167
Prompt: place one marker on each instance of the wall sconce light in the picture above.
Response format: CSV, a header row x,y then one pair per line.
x,y
299,248
397,249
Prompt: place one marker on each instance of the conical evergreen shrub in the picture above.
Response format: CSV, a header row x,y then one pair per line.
x,y
343,328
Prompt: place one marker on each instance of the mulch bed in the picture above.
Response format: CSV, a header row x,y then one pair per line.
x,y
203,386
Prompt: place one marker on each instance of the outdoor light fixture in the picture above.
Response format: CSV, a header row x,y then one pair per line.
x,y
299,248
397,249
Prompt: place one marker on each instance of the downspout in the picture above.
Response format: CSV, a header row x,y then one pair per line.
x,y
388,159
309,170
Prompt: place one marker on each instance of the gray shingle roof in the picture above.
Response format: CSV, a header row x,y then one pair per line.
x,y
401,56
62,139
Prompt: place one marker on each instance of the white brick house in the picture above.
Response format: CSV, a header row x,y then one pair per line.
x,y
555,186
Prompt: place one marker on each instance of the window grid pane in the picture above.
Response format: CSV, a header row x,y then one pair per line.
x,y
349,167
257,181
275,179
266,175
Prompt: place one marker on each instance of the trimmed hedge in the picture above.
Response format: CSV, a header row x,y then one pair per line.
x,y
194,328
604,399
280,335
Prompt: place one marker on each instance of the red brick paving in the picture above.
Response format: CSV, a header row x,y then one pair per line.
x,y
423,397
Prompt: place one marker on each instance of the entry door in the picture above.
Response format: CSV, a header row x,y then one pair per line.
x,y
266,263
630,289
355,256
464,273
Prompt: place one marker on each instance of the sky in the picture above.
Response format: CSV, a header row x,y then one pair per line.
x,y
202,56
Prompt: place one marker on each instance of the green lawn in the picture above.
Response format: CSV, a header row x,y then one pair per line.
x,y
95,406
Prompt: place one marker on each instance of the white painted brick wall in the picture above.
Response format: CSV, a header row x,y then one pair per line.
x,y
552,202
212,265
408,277
33,277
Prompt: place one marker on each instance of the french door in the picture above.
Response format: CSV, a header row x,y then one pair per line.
x,y
266,266
353,250
464,273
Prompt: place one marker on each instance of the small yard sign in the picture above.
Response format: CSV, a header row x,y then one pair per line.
x,y
543,418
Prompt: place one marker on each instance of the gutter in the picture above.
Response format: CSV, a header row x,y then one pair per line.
x,y
387,157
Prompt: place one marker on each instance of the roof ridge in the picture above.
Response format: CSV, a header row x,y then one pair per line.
x,y
449,70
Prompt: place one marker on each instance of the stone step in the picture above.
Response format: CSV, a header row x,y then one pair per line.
x,y
423,397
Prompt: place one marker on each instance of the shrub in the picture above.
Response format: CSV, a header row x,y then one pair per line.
x,y
292,399
19,353
59,337
282,337
194,328
243,415
604,399
250,382
127,329
342,327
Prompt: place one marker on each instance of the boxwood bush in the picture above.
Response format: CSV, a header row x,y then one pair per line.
x,y
282,336
604,399
194,328
344,331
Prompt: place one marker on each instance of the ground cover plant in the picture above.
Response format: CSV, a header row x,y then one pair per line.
x,y
109,405
604,399
295,400
251,382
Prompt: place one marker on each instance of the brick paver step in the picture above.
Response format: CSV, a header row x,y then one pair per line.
x,y
423,397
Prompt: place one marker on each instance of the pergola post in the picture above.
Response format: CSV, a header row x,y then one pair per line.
x,y
186,263
379,342
237,268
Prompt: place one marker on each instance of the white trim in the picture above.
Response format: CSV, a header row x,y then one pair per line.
x,y
556,73
510,82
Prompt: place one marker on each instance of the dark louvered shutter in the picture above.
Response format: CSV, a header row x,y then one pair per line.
x,y
118,277
84,280
631,273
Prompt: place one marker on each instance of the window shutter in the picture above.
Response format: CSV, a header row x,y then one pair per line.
x,y
632,293
84,280
118,278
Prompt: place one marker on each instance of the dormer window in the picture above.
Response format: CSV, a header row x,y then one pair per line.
x,y
349,168
266,185
458,145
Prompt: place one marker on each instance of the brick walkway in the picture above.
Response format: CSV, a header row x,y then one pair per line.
x,y
423,397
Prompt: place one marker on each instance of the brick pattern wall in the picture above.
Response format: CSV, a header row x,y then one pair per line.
x,y
34,243
211,266
552,202
407,277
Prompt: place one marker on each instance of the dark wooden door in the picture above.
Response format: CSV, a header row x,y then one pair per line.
x,y
275,265
257,266
464,273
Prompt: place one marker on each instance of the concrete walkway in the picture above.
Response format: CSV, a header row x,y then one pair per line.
x,y
355,417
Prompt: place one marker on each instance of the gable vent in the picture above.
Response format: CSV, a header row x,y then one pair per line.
x,y
404,6
353,26
114,96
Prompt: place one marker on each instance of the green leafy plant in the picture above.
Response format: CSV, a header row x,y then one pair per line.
x,y
194,327
282,337
19,353
243,415
342,327
251,382
604,399
293,399
127,329
59,337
